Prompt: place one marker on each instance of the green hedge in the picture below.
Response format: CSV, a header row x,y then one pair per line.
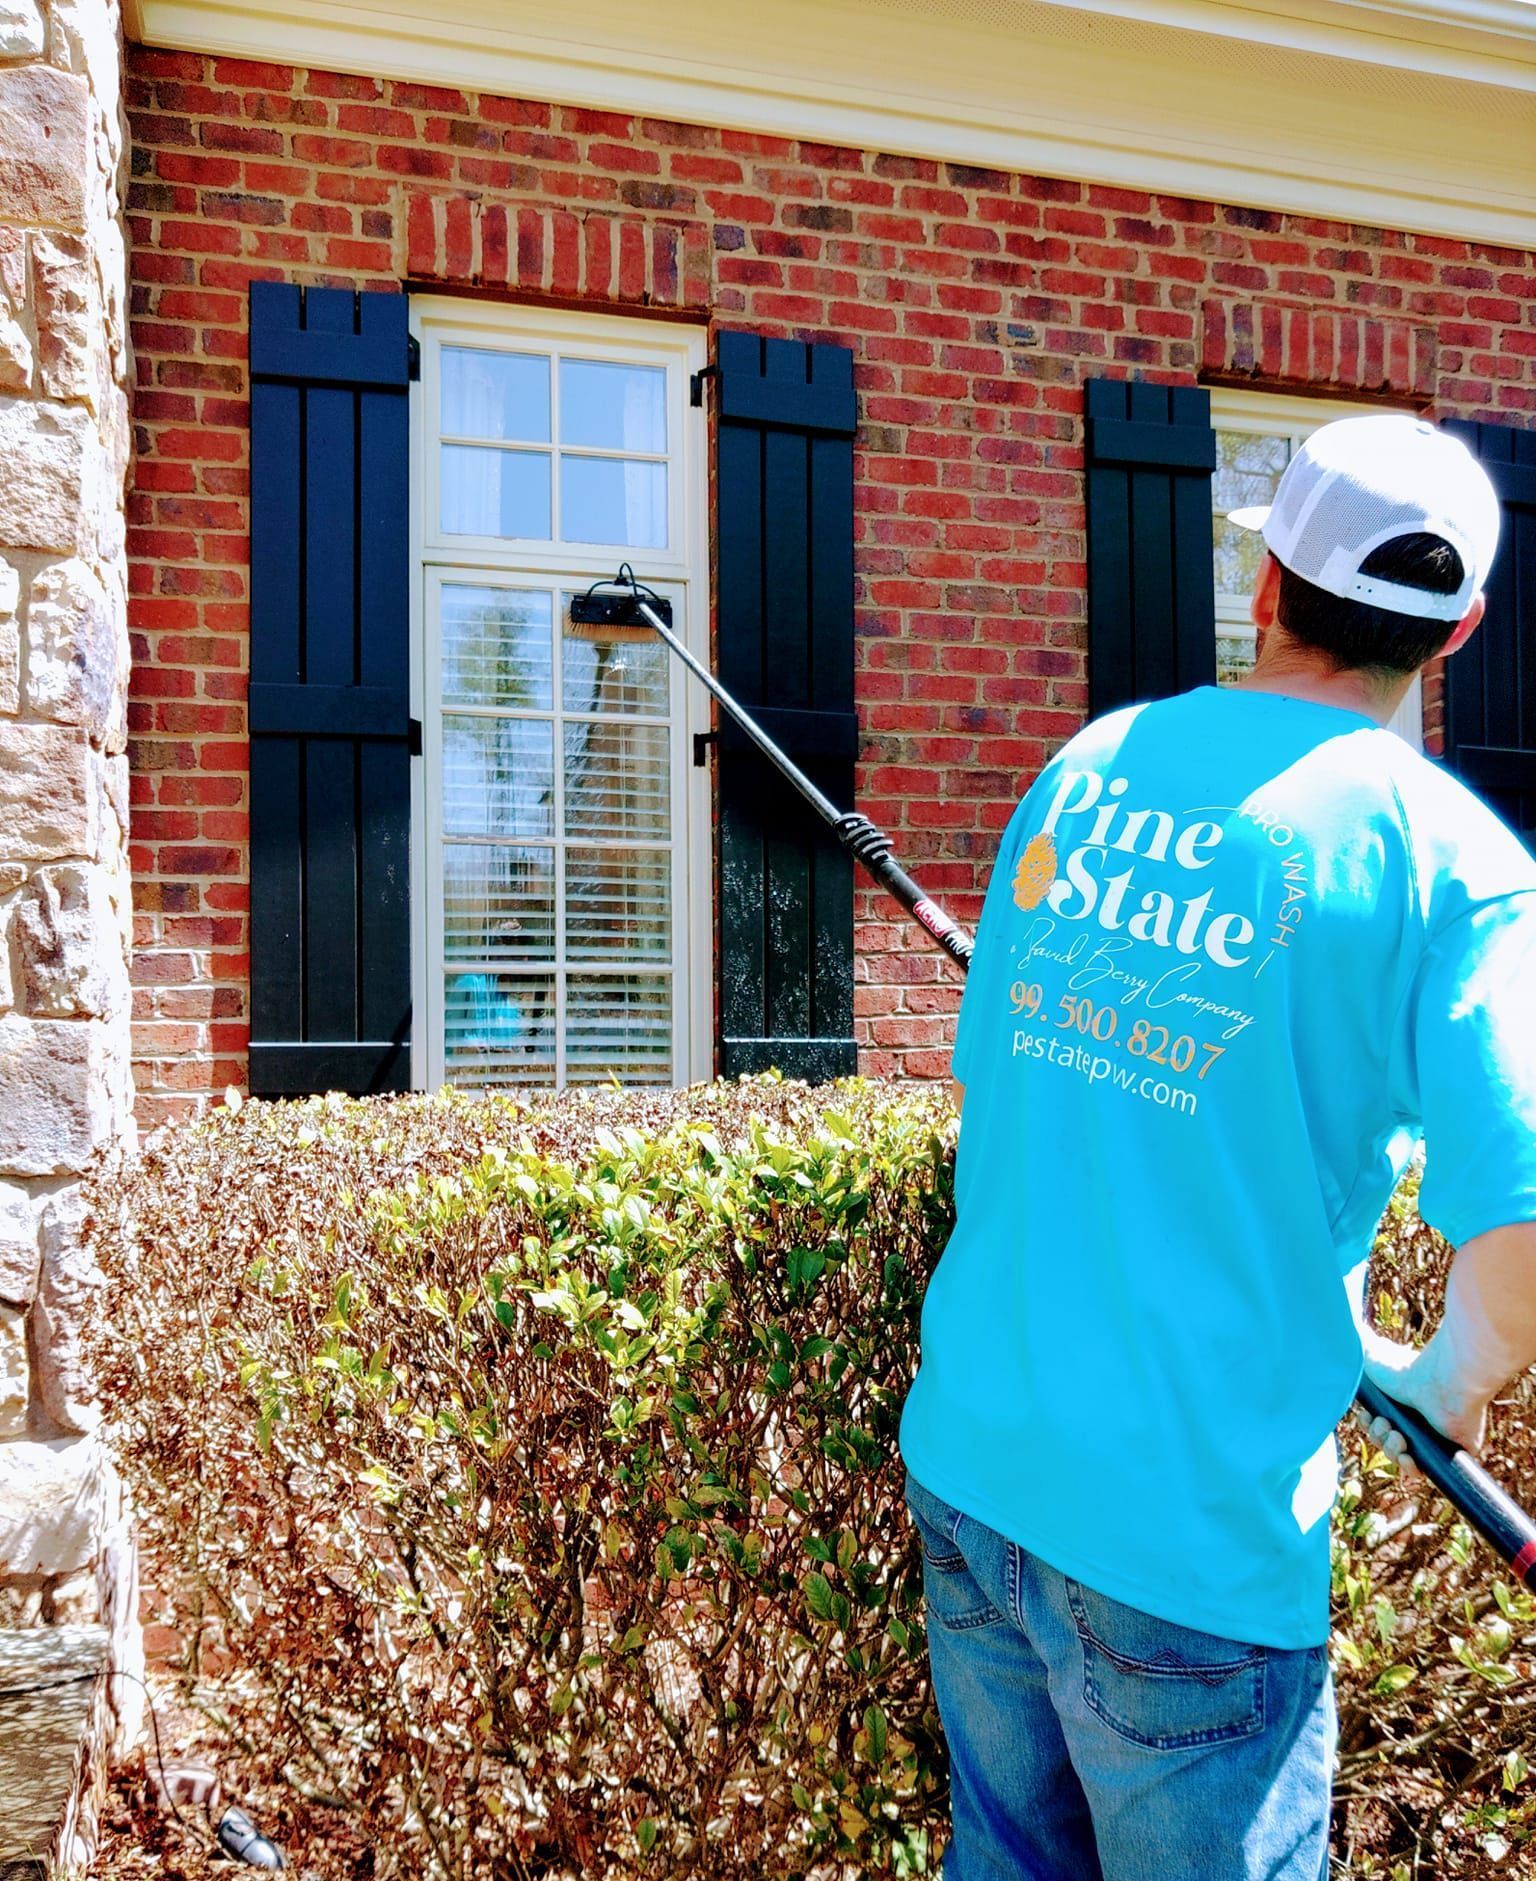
x,y
524,1476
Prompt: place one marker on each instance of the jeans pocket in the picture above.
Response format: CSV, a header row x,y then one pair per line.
x,y
1164,1686
950,1591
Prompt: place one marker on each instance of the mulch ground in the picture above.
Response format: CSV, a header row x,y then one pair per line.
x,y
140,1836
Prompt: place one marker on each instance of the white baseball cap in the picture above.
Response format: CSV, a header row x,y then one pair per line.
x,y
1360,482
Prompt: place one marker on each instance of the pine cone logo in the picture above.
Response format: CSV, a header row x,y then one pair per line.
x,y
1036,872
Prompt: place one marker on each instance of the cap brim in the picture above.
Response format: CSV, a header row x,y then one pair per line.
x,y
1251,518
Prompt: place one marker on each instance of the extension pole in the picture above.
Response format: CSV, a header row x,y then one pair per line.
x,y
1462,1480
1455,1472
868,842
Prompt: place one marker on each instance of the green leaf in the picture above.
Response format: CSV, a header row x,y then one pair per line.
x,y
818,1595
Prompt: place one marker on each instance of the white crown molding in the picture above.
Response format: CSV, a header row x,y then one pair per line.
x,y
1486,41
1315,106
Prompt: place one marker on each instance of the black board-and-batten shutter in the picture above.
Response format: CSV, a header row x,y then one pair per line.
x,y
329,697
1149,456
786,415
1490,683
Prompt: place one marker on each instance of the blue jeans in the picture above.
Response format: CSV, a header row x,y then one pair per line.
x,y
1091,1742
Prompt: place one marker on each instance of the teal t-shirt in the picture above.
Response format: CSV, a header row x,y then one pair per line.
x,y
1238,953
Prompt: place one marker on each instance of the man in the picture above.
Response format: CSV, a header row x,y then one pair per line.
x,y
1240,949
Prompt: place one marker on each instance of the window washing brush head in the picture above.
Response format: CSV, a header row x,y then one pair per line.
x,y
610,610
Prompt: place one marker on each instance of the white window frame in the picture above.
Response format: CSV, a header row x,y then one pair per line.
x,y
681,571
1238,409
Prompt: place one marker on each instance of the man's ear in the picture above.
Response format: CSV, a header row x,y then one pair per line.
x,y
1465,627
1264,607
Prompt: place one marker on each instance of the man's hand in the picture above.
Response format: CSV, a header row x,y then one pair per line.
x,y
1487,1334
1403,1373
957,1092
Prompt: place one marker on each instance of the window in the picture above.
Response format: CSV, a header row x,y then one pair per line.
x,y
562,851
1256,435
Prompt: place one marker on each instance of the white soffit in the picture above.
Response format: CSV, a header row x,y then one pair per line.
x,y
1419,114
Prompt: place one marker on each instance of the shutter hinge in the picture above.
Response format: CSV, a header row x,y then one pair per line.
x,y
412,357
413,737
696,383
700,741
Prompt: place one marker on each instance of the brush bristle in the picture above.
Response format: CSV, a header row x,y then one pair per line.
x,y
601,617
607,630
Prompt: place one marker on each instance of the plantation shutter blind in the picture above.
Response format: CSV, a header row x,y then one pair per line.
x,y
329,695
784,484
1490,684
1149,458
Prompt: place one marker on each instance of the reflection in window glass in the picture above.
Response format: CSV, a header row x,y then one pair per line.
x,y
1234,655
498,776
1248,469
618,902
618,1026
614,675
495,395
613,407
618,781
499,902
495,492
1238,553
612,499
500,1029
497,647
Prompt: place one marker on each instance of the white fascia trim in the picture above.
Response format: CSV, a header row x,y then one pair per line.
x,y
1492,43
1305,172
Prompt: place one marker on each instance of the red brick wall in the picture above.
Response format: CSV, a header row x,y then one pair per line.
x,y
975,300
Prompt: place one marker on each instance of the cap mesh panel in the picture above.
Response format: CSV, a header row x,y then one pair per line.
x,y
1348,516
1290,497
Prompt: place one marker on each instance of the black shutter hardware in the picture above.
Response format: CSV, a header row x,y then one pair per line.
x,y
787,413
329,699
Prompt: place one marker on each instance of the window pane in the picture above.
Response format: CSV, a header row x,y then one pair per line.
x,y
618,1026
1237,552
495,492
498,776
1248,466
613,407
498,903
614,675
617,779
606,499
618,901
1234,654
495,395
499,1029
497,646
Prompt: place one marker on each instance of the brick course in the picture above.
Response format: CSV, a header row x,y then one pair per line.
x,y
975,301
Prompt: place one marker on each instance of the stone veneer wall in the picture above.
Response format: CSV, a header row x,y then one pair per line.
x,y
65,1090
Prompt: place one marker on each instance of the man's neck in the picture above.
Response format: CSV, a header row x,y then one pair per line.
x,y
1286,667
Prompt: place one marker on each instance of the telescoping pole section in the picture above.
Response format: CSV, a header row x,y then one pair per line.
x,y
1456,1473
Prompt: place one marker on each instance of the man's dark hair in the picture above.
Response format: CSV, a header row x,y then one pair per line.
x,y
1356,634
